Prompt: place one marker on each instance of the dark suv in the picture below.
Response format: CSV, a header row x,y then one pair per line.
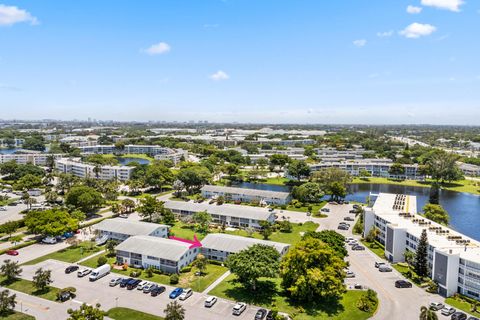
x,y
132,284
402,284
459,316
125,281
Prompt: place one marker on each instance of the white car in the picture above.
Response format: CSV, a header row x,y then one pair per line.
x,y
446,311
83,272
353,243
436,306
210,301
347,240
349,274
239,308
384,268
3,208
186,294
142,285
114,282
49,240
378,264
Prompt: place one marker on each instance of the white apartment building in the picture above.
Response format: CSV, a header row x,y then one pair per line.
x,y
246,195
230,215
120,229
218,246
97,149
376,167
454,259
167,255
470,170
86,170
38,159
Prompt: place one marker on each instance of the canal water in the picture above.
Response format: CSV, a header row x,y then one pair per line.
x,y
124,161
463,208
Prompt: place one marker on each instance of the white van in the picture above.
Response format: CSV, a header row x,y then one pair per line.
x,y
99,272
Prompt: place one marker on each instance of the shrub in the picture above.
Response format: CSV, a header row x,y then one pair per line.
x,y
135,274
186,269
174,278
283,207
149,272
101,261
215,262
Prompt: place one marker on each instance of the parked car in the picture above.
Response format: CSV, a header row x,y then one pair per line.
x,y
446,311
459,316
342,227
349,274
187,293
175,293
3,208
142,284
49,240
472,318
378,264
65,295
357,286
71,269
436,306
269,315
347,240
132,284
358,248
99,272
83,272
148,287
210,301
385,268
12,252
239,308
115,281
353,242
325,210
124,282
356,206
260,315
352,211
402,284
157,290
349,219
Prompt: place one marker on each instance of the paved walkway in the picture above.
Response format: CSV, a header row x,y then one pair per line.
x,y
216,282
91,256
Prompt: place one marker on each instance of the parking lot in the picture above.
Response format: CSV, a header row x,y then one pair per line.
x,y
109,297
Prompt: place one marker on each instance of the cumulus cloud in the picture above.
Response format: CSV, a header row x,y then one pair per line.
x,y
219,76
159,48
417,30
452,5
360,43
414,10
385,34
9,15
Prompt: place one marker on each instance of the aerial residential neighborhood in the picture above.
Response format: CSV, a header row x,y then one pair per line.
x,y
239,159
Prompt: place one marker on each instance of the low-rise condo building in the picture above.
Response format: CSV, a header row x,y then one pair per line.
x,y
246,195
119,229
86,170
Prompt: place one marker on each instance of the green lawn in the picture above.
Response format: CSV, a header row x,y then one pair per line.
x,y
69,254
269,294
315,209
17,316
184,231
129,314
468,186
137,156
461,305
187,279
375,247
26,286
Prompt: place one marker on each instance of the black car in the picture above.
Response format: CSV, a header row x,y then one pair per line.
x,y
65,295
261,313
124,282
472,318
459,316
132,284
402,284
358,248
71,269
269,315
157,290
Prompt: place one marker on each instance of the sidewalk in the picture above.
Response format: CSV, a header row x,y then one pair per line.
x,y
216,282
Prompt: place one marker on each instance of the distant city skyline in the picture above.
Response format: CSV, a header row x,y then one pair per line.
x,y
341,62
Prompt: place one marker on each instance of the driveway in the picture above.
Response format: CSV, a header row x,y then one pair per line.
x,y
100,292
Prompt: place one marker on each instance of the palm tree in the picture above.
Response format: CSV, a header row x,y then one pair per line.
x,y
174,311
97,169
427,314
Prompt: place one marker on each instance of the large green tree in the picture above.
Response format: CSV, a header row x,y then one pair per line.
x,y
298,169
334,239
10,270
312,271
7,303
84,198
202,221
149,206
194,177
42,279
421,256
442,166
158,175
307,192
86,312
427,314
437,213
174,311
333,181
253,263
51,222
27,182
396,169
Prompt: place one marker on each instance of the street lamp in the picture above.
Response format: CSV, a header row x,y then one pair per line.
x,y
116,302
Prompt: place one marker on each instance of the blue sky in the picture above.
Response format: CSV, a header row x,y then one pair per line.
x,y
373,62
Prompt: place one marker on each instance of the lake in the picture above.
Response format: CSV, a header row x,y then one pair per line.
x,y
124,161
8,151
463,208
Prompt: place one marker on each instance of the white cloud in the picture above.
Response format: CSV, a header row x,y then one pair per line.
x,y
360,43
414,10
417,30
385,34
9,15
452,5
159,48
219,76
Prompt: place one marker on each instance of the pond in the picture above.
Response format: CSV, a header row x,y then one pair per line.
x,y
124,161
464,208
8,151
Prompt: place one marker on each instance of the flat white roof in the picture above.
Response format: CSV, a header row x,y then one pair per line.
x,y
232,243
225,209
386,208
154,246
132,228
245,191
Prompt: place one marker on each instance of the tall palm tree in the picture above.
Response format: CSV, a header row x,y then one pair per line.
x,y
174,311
427,314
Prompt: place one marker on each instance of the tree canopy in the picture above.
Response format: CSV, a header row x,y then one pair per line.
x,y
308,192
298,169
51,222
437,213
334,239
84,198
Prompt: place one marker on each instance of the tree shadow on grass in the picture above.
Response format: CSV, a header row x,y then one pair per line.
x,y
264,294
330,307
41,292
